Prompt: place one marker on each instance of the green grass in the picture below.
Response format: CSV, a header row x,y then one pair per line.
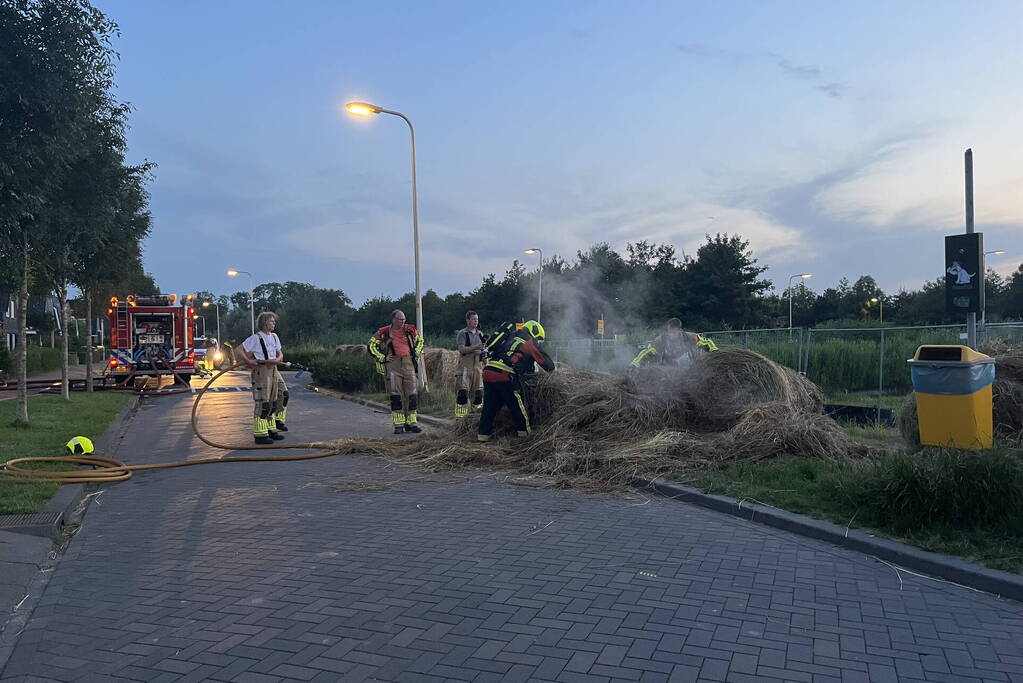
x,y
866,399
52,422
438,402
955,502
875,435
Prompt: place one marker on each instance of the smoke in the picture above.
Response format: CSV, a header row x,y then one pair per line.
x,y
575,299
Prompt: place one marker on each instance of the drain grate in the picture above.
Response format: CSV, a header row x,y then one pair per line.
x,y
22,521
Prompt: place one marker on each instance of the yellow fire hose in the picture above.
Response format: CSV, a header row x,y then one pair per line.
x,y
109,470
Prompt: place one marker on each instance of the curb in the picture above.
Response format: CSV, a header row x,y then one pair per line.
x,y
954,569
428,419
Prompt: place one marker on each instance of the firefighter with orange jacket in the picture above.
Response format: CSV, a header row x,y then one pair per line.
x,y
397,348
501,378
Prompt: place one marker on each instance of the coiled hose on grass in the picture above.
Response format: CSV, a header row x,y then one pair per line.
x,y
108,470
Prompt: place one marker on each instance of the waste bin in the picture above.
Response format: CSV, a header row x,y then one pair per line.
x,y
953,396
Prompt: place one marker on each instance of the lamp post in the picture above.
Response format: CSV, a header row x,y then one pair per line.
x,y
366,109
879,300
206,304
791,278
539,289
252,315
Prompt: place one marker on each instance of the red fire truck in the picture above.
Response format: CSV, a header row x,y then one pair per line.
x,y
151,335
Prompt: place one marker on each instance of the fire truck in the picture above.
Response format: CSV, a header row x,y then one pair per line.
x,y
151,336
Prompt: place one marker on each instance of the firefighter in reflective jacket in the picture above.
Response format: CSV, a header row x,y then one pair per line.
x,y
501,385
396,348
674,346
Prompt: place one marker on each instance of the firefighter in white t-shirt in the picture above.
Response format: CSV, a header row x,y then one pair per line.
x,y
263,352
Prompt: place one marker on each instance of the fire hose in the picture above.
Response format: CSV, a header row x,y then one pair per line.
x,y
109,470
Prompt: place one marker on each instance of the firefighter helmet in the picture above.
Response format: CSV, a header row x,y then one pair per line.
x,y
80,445
535,329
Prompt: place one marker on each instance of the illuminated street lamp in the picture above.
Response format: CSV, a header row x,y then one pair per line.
x,y
366,109
539,289
252,315
879,300
801,275
206,304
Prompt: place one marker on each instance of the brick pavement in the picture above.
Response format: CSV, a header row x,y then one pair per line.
x,y
354,569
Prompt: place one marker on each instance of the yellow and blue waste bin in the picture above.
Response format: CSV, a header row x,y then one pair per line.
x,y
953,396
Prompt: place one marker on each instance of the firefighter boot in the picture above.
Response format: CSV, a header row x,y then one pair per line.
x,y
261,431
477,400
281,415
397,416
410,419
462,403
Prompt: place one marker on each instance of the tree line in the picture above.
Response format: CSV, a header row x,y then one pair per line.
x,y
73,212
722,286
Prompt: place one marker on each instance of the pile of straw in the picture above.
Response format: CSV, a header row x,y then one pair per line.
x,y
597,431
1007,395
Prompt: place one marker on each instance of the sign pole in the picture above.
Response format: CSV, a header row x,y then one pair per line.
x,y
971,318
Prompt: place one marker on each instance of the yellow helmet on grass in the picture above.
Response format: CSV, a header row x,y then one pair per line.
x,y
80,445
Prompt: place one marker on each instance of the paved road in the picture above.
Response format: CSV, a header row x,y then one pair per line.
x,y
353,569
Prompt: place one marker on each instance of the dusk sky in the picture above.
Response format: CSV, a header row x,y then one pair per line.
x,y
831,135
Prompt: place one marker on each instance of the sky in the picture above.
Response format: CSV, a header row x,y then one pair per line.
x,y
830,135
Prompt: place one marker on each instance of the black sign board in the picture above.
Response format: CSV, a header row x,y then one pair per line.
x,y
964,275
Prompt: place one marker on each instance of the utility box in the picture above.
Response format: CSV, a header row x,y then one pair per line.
x,y
953,396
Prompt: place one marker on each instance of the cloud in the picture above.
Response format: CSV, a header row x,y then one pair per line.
x,y
917,182
800,72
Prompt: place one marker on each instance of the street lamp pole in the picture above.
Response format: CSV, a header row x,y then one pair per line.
x,y
252,313
539,289
791,278
206,304
366,109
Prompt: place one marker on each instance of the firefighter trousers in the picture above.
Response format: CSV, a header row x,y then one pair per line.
x,y
470,378
270,398
496,395
401,382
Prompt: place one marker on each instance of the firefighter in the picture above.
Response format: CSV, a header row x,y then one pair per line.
x,y
264,353
502,377
470,343
396,348
674,346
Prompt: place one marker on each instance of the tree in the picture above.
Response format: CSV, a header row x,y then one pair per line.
x,y
722,285
57,66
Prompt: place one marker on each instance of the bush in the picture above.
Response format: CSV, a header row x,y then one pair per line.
x,y
951,488
345,373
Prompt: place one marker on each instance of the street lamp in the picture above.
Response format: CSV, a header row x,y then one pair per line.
x,y
793,277
206,304
366,109
879,300
252,315
539,289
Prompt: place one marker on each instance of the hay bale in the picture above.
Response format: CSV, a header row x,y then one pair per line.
x,y
598,431
441,367
775,430
725,384
351,350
